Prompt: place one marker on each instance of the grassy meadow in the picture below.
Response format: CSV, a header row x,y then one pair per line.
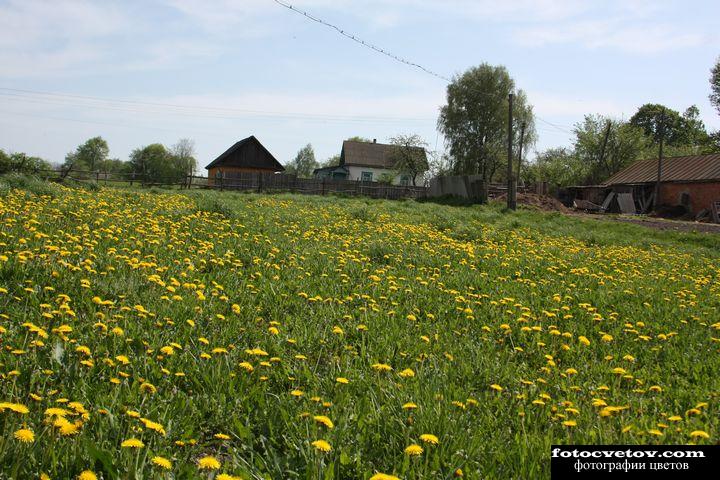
x,y
151,334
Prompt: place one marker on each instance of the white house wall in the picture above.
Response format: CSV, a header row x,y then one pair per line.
x,y
355,173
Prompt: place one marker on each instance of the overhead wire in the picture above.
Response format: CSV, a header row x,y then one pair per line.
x,y
355,38
56,98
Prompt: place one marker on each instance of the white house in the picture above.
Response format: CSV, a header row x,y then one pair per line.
x,y
370,162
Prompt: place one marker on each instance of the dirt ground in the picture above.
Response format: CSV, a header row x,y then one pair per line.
x,y
539,202
550,204
656,223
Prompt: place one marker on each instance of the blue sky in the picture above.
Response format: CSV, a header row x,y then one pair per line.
x,y
236,68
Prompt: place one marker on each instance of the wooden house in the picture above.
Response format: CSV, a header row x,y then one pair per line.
x,y
246,156
371,162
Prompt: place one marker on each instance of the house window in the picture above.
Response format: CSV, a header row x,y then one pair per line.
x,y
405,180
366,176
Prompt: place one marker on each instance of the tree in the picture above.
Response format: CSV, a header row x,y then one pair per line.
x,y
5,164
715,85
156,164
625,144
88,156
474,121
408,153
184,155
21,162
686,131
304,162
115,165
558,166
439,165
331,161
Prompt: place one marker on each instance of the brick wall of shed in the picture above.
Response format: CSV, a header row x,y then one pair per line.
x,y
701,194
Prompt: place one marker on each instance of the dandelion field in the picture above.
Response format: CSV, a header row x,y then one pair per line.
x,y
150,334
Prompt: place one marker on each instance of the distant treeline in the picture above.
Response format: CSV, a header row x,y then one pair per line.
x,y
152,162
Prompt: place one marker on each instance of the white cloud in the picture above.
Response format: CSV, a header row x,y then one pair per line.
x,y
612,33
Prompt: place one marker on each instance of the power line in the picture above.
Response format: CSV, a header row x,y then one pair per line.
x,y
562,128
354,38
132,106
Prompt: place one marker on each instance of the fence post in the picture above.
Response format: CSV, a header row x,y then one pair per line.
x,y
97,177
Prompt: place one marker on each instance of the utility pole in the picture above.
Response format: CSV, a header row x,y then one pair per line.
x,y
511,193
661,131
520,149
604,144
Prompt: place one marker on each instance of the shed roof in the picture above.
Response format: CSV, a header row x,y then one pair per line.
x,y
247,153
371,154
331,168
691,168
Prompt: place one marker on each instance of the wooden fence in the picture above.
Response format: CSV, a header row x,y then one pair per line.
x,y
247,181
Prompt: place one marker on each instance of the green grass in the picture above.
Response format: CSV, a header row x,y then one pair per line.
x,y
170,292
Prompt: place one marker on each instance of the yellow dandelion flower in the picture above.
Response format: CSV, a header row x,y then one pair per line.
x,y
407,373
381,367
413,450
15,407
429,438
87,475
322,445
324,420
132,443
699,434
162,462
342,380
24,435
209,463
225,476
383,476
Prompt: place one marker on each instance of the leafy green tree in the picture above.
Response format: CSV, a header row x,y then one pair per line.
x,y
625,144
304,162
331,161
23,163
88,156
409,155
715,85
155,164
5,164
474,121
558,166
114,165
685,131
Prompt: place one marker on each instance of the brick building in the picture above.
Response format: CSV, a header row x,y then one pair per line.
x,y
690,181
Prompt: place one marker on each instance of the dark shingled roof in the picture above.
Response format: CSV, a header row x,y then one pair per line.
x,y
247,153
692,168
371,154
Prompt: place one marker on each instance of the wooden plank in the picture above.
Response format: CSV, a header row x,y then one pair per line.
x,y
716,211
608,200
626,203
